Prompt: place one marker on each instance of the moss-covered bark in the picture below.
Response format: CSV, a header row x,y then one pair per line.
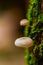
x,y
34,30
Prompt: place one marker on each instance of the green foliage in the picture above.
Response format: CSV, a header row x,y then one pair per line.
x,y
29,57
41,49
33,1
34,30
35,48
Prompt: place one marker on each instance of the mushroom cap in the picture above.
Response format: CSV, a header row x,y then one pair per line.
x,y
24,22
24,42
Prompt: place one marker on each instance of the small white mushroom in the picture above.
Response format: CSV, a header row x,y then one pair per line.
x,y
24,22
24,42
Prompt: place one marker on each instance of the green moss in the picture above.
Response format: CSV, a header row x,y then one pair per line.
x,y
34,30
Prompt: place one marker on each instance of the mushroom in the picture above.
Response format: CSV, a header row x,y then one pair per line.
x,y
24,22
24,42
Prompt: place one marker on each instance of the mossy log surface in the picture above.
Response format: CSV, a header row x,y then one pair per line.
x,y
34,30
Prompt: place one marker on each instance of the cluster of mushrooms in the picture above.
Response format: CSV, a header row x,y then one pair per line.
x,y
24,42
